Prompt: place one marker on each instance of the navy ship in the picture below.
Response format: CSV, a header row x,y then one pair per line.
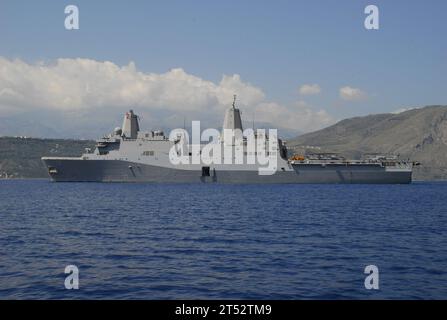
x,y
131,155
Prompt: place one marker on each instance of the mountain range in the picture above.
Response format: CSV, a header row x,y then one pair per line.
x,y
419,134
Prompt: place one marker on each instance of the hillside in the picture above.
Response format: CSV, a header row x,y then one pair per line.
x,y
417,134
20,157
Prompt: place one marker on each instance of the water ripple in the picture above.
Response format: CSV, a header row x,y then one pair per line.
x,y
147,241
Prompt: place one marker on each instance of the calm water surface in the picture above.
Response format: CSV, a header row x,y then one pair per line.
x,y
149,241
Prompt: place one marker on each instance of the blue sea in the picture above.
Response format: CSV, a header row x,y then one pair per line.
x,y
205,241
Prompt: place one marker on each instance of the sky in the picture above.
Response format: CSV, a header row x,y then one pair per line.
x,y
295,65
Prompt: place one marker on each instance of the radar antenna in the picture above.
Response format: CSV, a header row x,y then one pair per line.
x,y
253,121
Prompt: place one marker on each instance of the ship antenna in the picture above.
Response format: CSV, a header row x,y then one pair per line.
x,y
253,121
234,101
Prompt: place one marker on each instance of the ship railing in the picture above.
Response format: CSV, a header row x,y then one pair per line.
x,y
397,164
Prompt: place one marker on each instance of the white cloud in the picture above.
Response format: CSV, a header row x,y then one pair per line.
x,y
77,87
352,94
74,84
309,89
300,116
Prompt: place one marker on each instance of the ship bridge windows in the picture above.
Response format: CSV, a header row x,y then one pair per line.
x,y
148,153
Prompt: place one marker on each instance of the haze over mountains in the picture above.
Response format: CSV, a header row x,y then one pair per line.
x,y
42,125
417,134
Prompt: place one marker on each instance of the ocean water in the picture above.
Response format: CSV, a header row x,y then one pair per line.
x,y
204,241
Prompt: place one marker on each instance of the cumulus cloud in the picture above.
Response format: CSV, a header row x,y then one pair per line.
x,y
79,86
73,84
352,94
309,89
300,116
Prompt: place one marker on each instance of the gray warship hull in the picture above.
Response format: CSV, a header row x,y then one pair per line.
x,y
79,170
131,155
